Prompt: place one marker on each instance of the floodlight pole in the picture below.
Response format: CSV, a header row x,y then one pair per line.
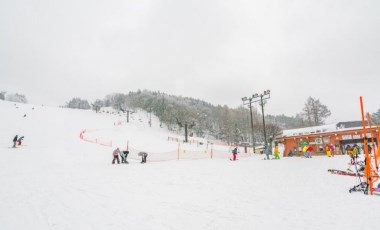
x,y
263,96
262,111
250,112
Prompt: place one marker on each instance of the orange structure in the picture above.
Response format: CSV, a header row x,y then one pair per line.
x,y
338,138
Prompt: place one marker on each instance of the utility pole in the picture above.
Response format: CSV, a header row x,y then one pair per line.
x,y
244,99
128,113
150,118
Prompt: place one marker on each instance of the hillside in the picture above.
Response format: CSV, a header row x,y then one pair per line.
x,y
231,125
58,181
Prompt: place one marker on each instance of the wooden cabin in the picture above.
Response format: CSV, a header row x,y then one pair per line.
x,y
338,137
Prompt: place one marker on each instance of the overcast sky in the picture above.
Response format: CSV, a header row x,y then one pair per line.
x,y
217,51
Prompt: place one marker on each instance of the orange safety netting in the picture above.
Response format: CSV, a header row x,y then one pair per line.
x,y
94,140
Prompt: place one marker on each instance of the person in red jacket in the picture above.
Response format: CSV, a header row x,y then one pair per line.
x,y
20,139
309,151
234,153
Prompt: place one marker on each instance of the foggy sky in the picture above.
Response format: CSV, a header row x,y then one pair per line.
x,y
217,51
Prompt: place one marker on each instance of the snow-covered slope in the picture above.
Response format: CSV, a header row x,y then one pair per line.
x,y
58,181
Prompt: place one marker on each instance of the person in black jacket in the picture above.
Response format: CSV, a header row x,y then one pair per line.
x,y
15,141
143,155
124,157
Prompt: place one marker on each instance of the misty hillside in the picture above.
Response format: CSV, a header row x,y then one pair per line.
x,y
232,125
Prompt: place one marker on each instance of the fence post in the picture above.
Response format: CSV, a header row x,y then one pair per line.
x,y
212,150
178,151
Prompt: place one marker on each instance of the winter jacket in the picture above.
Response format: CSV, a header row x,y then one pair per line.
x,y
116,152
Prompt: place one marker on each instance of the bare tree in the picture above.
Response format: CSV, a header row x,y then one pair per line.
x,y
273,130
97,105
375,117
315,112
2,95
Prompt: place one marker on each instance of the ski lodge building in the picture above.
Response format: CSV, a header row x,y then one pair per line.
x,y
339,135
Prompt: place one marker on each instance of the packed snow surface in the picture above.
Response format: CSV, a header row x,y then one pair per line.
x,y
55,180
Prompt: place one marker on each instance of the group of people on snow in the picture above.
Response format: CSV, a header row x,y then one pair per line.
x,y
124,154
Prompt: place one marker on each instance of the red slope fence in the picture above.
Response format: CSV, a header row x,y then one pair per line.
x,y
184,151
94,140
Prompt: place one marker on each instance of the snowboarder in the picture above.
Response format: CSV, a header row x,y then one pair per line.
x,y
20,139
143,155
15,141
116,154
234,153
124,157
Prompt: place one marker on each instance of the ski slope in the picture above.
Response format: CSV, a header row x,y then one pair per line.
x,y
58,181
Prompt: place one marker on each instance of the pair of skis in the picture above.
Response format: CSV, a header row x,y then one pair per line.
x,y
345,172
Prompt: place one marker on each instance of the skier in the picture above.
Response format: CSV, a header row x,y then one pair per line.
x,y
116,154
15,141
268,149
20,140
328,150
234,153
143,155
276,152
304,150
332,149
351,153
309,151
124,157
